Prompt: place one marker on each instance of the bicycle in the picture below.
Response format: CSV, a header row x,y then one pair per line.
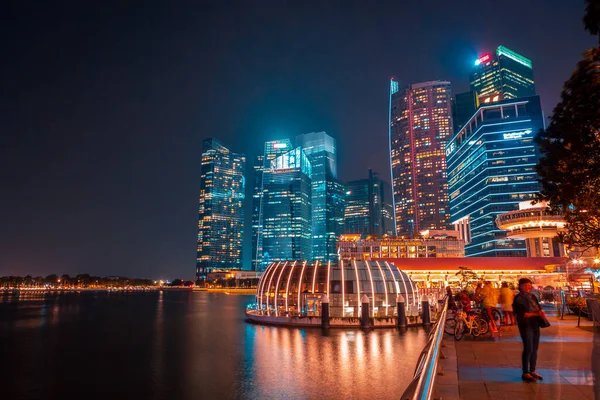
x,y
496,317
450,322
468,324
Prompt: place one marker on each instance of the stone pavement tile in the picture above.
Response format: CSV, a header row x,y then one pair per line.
x,y
562,392
516,387
470,374
448,378
587,391
500,395
469,389
551,377
507,395
447,392
580,379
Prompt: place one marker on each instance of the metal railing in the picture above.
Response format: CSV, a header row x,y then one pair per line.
x,y
422,385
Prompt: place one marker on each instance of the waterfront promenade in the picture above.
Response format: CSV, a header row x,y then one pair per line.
x,y
476,369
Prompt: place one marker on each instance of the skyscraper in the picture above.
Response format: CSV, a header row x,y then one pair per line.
x,y
463,108
420,126
504,75
507,74
491,168
327,193
287,208
221,211
262,162
368,206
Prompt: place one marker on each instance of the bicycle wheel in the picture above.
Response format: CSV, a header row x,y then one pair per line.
x,y
476,327
459,330
449,326
484,327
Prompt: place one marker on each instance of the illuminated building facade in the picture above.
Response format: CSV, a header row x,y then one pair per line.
x,y
287,208
507,73
537,226
420,127
262,162
437,244
327,193
368,208
221,211
491,169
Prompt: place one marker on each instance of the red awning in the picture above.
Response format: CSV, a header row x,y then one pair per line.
x,y
505,264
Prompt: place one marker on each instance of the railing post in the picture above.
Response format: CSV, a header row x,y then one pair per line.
x,y
401,311
325,312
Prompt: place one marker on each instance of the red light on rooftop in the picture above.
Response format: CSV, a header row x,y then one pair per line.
x,y
483,58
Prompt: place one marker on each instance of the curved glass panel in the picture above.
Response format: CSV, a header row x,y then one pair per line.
x,y
296,288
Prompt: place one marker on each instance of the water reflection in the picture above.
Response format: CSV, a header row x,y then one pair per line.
x,y
189,346
303,363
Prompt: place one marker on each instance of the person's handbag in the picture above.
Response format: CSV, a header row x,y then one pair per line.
x,y
544,323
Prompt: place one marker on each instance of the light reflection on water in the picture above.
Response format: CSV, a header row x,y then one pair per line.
x,y
190,346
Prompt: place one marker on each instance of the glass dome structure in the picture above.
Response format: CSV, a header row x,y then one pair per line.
x,y
295,288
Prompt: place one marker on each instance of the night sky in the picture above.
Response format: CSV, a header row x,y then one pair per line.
x,y
104,105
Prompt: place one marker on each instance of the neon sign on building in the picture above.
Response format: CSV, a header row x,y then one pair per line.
x,y
484,58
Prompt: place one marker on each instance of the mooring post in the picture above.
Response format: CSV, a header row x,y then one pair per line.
x,y
364,315
325,312
401,310
425,308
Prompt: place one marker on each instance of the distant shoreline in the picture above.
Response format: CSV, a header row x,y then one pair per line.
x,y
226,290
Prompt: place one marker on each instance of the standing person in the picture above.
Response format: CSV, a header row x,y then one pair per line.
x,y
465,301
451,301
528,313
478,291
506,300
489,302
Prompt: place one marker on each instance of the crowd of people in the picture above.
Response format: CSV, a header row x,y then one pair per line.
x,y
517,306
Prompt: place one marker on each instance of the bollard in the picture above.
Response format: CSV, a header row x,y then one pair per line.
x,y
364,314
325,312
426,316
401,310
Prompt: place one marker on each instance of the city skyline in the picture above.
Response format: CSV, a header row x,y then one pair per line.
x,y
102,163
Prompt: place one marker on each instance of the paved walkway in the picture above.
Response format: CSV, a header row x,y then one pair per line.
x,y
476,369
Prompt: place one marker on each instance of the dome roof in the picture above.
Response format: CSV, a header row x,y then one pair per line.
x,y
296,287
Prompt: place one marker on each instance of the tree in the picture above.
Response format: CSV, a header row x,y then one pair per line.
x,y
467,276
591,19
65,280
570,165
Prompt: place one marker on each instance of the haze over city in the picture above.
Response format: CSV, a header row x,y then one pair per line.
x,y
105,107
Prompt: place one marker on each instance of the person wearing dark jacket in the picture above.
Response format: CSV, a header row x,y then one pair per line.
x,y
528,312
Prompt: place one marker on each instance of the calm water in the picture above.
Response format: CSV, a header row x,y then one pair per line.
x,y
184,345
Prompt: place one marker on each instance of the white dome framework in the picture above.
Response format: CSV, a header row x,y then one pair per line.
x,y
295,288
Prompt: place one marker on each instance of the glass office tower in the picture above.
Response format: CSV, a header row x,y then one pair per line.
x,y
287,209
491,168
463,108
327,193
221,211
420,127
368,206
506,73
262,162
